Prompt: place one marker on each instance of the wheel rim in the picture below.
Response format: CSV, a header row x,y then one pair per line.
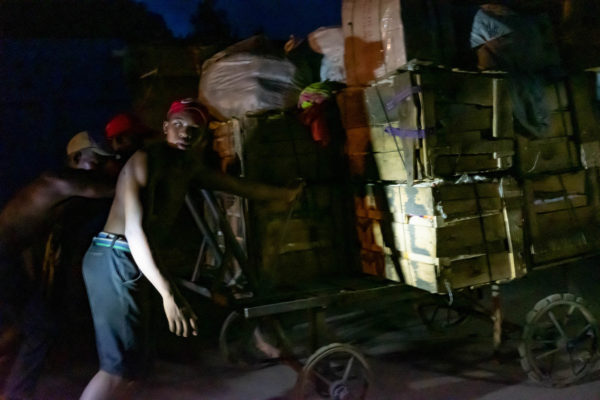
x,y
560,340
337,372
236,341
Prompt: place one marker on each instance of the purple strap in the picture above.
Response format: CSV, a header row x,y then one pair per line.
x,y
408,133
401,96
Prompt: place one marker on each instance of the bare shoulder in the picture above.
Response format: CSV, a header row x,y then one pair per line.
x,y
136,168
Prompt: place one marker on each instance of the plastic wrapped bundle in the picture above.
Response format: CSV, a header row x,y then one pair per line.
x,y
330,42
244,82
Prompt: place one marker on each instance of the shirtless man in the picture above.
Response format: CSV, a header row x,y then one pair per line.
x,y
121,265
25,223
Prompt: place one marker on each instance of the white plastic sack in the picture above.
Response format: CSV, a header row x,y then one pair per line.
x,y
239,83
329,41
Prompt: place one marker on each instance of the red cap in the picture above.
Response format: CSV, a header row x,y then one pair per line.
x,y
124,123
192,107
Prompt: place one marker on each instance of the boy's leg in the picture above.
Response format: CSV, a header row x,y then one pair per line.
x,y
105,386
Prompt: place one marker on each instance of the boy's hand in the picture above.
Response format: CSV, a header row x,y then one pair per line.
x,y
295,191
182,319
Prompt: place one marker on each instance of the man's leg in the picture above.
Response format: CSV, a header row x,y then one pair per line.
x,y
38,331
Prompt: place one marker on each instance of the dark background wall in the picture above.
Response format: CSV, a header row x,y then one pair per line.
x,y
52,89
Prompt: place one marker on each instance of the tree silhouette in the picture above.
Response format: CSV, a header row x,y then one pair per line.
x,y
123,19
210,25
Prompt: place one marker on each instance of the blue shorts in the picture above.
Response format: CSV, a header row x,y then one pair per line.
x,y
119,298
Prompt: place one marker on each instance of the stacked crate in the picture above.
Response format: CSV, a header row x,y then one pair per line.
x,y
457,235
561,192
410,137
562,214
557,150
289,247
431,123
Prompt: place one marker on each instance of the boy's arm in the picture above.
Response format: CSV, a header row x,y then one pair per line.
x,y
216,180
182,320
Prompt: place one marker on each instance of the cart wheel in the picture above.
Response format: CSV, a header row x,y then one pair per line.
x,y
560,340
337,371
440,317
236,341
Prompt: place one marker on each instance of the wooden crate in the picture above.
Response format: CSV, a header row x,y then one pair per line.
x,y
438,231
382,36
441,101
435,123
352,106
562,215
546,155
458,273
474,235
379,264
277,149
447,200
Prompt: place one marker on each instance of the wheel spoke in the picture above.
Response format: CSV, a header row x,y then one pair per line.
x,y
544,341
321,377
347,370
548,353
556,324
568,315
573,361
434,314
578,338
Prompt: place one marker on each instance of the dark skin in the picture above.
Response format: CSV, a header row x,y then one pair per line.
x,y
27,214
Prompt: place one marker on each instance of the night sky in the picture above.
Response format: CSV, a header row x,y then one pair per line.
x,y
277,18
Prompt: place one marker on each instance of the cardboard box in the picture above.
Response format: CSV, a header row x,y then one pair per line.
x,y
383,35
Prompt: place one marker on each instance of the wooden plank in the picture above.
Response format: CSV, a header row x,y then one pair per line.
x,y
456,117
585,105
555,95
379,264
453,165
499,148
568,244
572,182
456,238
564,220
362,165
558,191
561,124
272,127
563,202
460,86
467,272
391,100
353,108
463,137
447,200
512,200
369,234
358,140
392,166
546,155
502,119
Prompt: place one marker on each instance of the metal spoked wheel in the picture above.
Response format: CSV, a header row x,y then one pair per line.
x,y
560,340
337,371
236,341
